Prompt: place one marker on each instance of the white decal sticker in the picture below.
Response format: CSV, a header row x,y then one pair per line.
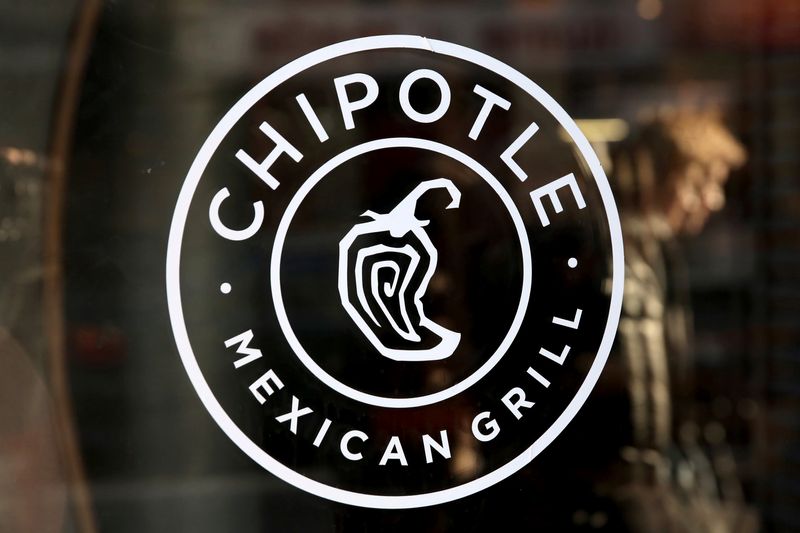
x,y
367,281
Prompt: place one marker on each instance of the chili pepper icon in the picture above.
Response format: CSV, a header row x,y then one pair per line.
x,y
400,222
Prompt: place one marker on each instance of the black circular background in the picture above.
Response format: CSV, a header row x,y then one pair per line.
x,y
207,260
474,291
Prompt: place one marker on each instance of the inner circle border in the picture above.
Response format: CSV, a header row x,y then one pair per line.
x,y
283,228
179,222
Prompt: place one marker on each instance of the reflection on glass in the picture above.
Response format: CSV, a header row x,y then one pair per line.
x,y
693,426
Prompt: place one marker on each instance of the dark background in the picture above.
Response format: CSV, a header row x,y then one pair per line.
x,y
158,77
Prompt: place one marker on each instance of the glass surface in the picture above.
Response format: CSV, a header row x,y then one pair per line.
x,y
692,110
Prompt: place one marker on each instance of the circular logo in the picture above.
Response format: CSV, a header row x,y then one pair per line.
x,y
394,272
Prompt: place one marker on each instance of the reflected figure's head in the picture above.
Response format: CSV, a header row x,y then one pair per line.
x,y
675,166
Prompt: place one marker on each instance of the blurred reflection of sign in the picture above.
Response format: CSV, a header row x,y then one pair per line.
x,y
538,37
406,348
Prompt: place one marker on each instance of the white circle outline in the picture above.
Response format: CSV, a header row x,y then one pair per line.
x,y
179,222
277,250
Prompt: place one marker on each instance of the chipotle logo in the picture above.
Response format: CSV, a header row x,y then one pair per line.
x,y
394,272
